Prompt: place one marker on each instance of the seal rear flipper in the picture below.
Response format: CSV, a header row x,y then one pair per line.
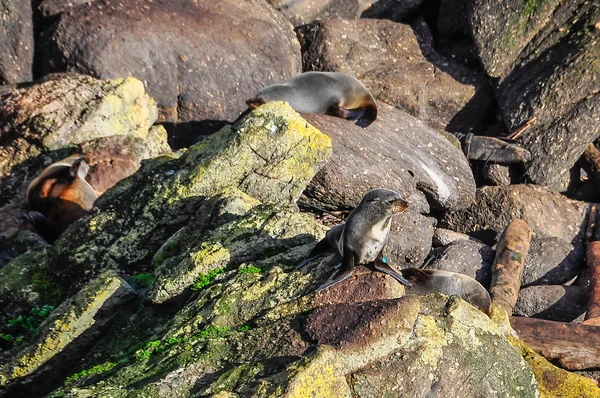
x,y
348,114
382,266
368,117
343,273
45,228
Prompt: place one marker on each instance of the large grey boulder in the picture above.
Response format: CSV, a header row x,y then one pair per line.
x,y
16,41
551,261
200,60
553,302
401,69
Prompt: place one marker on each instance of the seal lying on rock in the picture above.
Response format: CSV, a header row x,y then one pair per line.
x,y
362,237
426,281
322,93
59,196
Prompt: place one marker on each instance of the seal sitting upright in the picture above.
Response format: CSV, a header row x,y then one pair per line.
x,y
362,238
323,93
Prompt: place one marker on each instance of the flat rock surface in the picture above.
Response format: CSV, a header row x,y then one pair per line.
x,y
552,302
400,69
16,41
551,261
397,152
200,60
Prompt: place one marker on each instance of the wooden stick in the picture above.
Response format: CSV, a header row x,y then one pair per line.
x,y
590,162
575,346
511,252
515,134
592,259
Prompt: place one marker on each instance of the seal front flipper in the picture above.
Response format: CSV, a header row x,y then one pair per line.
x,y
342,273
349,114
383,266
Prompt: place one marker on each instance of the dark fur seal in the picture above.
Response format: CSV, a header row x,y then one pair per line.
x,y
426,281
323,93
59,196
361,239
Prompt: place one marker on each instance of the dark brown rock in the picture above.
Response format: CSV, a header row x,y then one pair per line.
x,y
444,237
552,302
51,8
397,152
16,243
400,69
551,261
469,258
549,214
495,174
301,12
410,239
200,60
16,41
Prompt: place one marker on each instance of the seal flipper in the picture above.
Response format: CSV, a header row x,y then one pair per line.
x,y
384,267
45,228
349,114
368,117
319,248
346,270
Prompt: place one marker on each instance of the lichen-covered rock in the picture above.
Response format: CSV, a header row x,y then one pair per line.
x,y
68,329
553,302
400,69
271,155
16,41
15,243
398,152
551,261
40,120
199,59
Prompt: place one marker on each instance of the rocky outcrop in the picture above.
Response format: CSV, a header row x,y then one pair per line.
x,y
16,41
200,60
551,261
552,302
44,122
401,69
396,151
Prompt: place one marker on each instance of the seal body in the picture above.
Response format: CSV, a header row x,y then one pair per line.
x,y
60,195
361,239
323,93
426,281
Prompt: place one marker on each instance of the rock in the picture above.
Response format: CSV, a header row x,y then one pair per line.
x,y
16,243
548,214
552,302
270,155
301,12
395,10
12,219
50,8
114,158
444,237
551,261
200,59
16,42
69,328
400,69
410,239
537,50
40,122
469,258
496,174
397,152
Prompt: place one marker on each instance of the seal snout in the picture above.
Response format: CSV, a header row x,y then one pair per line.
x,y
399,206
254,103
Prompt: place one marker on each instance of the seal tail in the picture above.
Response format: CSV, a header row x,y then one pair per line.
x,y
368,116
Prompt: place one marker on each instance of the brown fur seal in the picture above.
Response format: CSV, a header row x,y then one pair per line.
x,y
59,196
426,281
361,239
323,93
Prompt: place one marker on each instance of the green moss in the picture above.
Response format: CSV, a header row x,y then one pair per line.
x,y
43,282
205,279
144,280
244,328
249,270
95,370
212,332
24,326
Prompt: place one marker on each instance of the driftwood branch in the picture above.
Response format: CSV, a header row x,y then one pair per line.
x,y
592,259
511,252
574,346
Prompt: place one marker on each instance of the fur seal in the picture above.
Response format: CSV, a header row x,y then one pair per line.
x,y
426,281
323,93
361,239
59,196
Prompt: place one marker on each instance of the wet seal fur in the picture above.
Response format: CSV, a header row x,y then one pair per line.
x,y
425,281
361,239
323,93
59,196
